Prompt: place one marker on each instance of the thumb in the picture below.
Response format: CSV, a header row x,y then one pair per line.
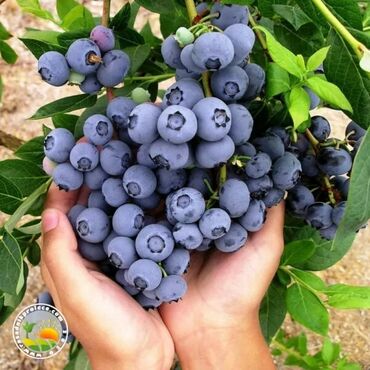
x,y
60,255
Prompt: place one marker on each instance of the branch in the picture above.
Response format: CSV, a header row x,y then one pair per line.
x,y
106,13
9,141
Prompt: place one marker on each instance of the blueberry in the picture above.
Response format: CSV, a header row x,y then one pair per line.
x,y
103,37
57,144
234,197
215,223
115,157
93,252
319,214
121,252
299,198
259,165
93,225
143,157
255,216
128,220
229,15
150,202
90,85
144,274
286,172
187,60
53,68
187,236
84,157
96,200
114,193
334,161
233,240
320,128
98,129
118,111
170,180
114,67
171,288
139,181
171,51
257,78
241,124
66,177
177,263
94,179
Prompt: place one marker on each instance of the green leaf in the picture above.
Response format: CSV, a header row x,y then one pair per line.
x,y
67,121
4,34
120,21
348,12
32,150
297,252
134,10
298,102
148,35
309,279
170,23
273,310
65,6
317,59
65,105
266,7
34,254
278,80
7,53
310,9
348,297
48,36
329,93
138,55
34,7
293,14
11,262
330,351
37,47
281,55
78,18
10,196
238,2
65,39
80,362
306,308
162,6
342,68
26,175
130,38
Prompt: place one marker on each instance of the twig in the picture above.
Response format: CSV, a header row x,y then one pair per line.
x,y
105,18
9,141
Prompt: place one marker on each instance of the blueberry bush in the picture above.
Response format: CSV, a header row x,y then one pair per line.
x,y
195,167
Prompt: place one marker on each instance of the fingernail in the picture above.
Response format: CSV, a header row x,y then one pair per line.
x,y
50,220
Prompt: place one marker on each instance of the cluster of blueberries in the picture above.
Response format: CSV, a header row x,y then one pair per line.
x,y
188,174
91,63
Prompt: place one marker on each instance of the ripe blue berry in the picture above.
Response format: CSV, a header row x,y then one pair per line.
x,y
57,144
128,220
93,225
53,68
79,56
67,178
98,129
84,157
114,67
103,37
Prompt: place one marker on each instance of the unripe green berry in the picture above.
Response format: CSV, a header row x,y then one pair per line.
x,y
140,95
184,37
76,78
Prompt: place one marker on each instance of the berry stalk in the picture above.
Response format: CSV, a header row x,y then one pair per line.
x,y
105,22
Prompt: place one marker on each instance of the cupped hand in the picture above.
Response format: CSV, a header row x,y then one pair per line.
x,y
114,330
220,309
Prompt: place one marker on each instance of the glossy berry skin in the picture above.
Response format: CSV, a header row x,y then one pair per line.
x,y
215,223
94,179
243,39
169,181
213,51
185,92
270,144
229,15
187,205
91,85
334,161
320,128
143,157
314,99
286,171
177,124
178,262
142,123
84,157
214,118
280,132
299,198
258,166
246,149
93,225
53,68
139,181
91,251
121,252
57,145
254,218
241,124
338,213
115,157
169,156
144,274
216,153
187,236
171,288
342,184
74,212
354,131
234,197
114,68
233,240
230,83
154,242
187,60
318,215
259,187
98,129
257,79
78,56
118,111
309,165
114,193
66,177
96,200
171,51
128,220
103,37
273,197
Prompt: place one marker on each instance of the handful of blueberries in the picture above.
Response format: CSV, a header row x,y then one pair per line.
x,y
187,175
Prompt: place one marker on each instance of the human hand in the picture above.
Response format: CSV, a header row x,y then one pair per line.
x,y
216,325
114,330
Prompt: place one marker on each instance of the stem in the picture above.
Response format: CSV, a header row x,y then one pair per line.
x,y
329,189
192,10
314,142
222,175
288,350
206,85
258,32
106,13
150,78
9,141
357,46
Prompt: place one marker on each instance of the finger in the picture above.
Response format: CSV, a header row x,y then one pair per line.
x,y
49,283
83,196
60,199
